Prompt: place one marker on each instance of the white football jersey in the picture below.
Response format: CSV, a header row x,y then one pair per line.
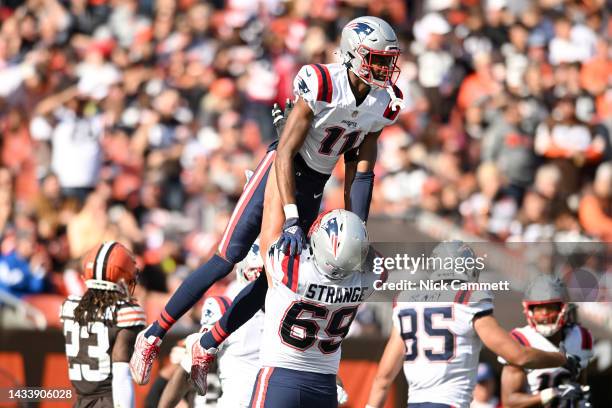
x,y
577,340
238,359
307,314
338,124
442,347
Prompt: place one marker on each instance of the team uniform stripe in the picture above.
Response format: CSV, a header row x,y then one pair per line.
x,y
136,319
162,323
167,317
294,274
466,299
319,81
262,387
390,114
285,268
244,200
225,303
587,340
265,387
520,337
289,271
254,395
325,85
218,333
459,296
328,81
106,258
99,260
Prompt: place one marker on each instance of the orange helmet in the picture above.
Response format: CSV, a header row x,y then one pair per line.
x,y
110,266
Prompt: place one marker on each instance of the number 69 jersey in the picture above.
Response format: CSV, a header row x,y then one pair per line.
x,y
308,315
338,124
442,347
89,348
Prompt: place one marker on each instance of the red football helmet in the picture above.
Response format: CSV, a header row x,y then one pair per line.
x,y
110,266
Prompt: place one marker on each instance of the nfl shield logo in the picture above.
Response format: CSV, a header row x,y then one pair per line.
x,y
355,113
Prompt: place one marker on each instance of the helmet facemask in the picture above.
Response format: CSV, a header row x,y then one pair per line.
x,y
547,323
377,67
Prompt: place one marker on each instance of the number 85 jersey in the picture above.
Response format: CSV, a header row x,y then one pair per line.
x,y
442,346
308,315
338,124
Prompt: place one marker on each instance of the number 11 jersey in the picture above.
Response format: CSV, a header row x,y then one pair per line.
x,y
338,124
442,346
308,315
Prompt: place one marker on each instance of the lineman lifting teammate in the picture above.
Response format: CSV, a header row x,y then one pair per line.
x,y
312,301
341,110
437,337
546,309
101,327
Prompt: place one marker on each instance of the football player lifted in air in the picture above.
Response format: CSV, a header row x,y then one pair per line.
x,y
437,337
101,327
546,309
340,110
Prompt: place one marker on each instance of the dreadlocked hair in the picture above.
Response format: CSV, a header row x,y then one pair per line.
x,y
98,305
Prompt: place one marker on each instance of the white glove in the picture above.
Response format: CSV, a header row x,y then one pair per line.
x,y
342,395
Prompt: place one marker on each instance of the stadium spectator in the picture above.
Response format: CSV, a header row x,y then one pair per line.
x,y
138,119
596,206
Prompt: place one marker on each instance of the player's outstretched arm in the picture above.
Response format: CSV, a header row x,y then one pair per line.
x,y
294,133
122,385
359,176
291,140
388,368
501,343
512,385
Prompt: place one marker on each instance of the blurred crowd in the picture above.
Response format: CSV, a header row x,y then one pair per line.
x,y
136,121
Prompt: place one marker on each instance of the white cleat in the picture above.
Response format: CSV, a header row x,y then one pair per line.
x,y
145,353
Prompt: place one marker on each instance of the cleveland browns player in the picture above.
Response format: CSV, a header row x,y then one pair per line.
x,y
100,328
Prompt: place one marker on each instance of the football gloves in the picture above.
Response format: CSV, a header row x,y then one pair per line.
x,y
279,118
292,239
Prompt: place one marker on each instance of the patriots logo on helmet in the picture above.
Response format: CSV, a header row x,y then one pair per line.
x,y
331,228
361,28
302,86
255,248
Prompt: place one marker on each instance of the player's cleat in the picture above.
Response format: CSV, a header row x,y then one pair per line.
x,y
201,361
146,350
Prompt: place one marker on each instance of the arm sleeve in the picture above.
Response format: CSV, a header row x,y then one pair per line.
x,y
123,390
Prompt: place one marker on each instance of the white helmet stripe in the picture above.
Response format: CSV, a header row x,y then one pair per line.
x,y
101,259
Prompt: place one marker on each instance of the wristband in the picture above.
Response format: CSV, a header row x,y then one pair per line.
x,y
291,211
547,395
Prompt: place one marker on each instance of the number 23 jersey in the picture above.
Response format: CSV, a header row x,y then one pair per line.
x,y
89,348
442,346
338,124
307,315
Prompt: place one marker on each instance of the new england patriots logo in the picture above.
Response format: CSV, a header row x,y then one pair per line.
x,y
361,29
303,88
331,227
